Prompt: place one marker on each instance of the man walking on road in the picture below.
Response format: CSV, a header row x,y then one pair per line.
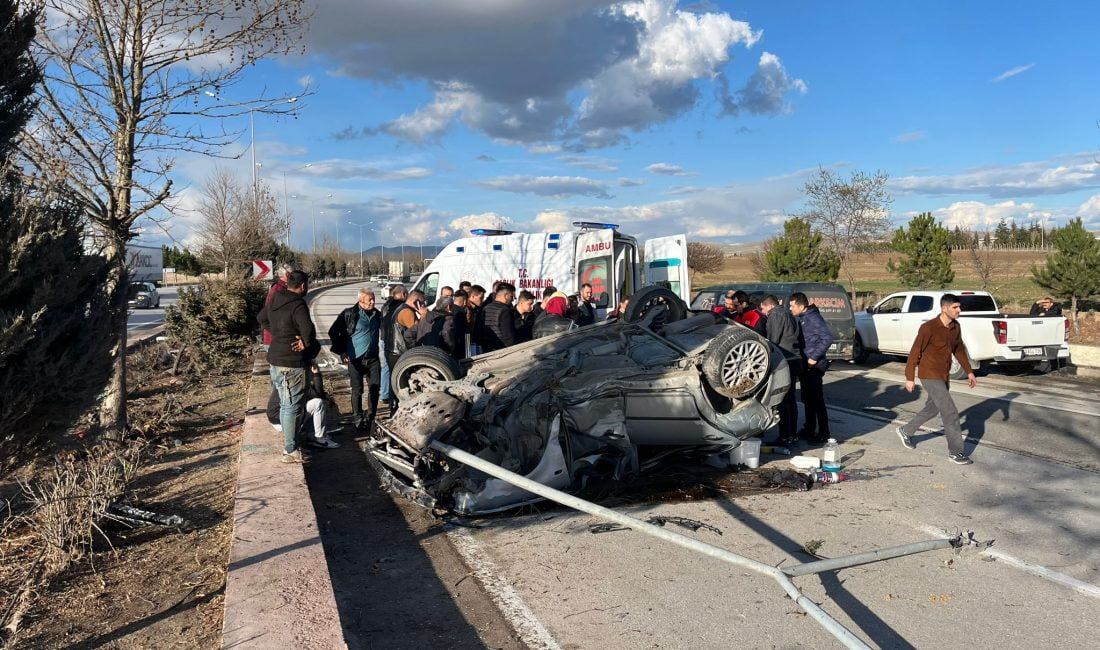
x,y
293,347
930,359
354,336
816,339
783,330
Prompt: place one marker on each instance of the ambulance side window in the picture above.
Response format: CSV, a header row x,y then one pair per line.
x,y
430,286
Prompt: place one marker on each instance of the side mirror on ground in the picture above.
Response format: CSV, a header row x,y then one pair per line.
x,y
601,300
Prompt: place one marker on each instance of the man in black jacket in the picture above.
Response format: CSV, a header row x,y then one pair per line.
x,y
816,339
398,294
586,309
293,347
783,330
354,336
499,321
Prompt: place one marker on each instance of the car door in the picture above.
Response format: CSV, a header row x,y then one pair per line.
x,y
919,309
887,320
666,265
595,250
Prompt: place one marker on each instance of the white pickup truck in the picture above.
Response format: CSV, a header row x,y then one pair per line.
x,y
1018,340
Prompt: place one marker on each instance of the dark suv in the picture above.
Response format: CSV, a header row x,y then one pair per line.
x,y
831,300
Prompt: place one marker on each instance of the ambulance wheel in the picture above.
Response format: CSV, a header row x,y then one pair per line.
x,y
664,305
420,365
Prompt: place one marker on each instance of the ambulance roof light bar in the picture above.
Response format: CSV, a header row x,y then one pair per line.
x,y
595,225
486,232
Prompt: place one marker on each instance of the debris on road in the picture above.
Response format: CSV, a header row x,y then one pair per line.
x,y
691,524
606,527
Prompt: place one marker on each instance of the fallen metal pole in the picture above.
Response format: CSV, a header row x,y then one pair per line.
x,y
868,557
843,634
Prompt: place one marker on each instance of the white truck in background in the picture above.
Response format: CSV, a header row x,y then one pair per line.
x,y
891,325
146,263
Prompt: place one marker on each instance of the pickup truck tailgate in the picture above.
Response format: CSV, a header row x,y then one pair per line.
x,y
1036,331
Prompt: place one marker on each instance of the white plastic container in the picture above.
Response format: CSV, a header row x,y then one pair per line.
x,y
806,462
748,454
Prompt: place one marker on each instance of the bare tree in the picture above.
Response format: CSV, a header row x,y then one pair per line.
x,y
704,258
980,260
220,207
850,215
125,84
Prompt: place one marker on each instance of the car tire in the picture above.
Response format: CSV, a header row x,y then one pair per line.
x,y
859,353
737,362
956,371
647,299
419,364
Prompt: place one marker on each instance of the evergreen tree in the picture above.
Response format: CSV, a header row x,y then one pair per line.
x,y
1002,234
987,241
925,244
54,359
1073,271
797,255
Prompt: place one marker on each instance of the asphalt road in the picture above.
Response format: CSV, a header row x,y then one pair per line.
x,y
146,319
1034,489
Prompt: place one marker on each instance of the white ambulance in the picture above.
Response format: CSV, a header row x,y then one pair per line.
x,y
596,253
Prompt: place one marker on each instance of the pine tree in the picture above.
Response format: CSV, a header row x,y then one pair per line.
x,y
797,255
54,360
1073,271
1002,234
928,258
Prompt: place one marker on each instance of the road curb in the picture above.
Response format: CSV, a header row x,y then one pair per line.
x,y
278,592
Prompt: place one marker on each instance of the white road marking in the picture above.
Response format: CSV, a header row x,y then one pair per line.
x,y
530,630
1000,398
1086,588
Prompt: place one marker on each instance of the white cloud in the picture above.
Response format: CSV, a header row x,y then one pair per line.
x,y
910,136
681,190
550,186
1020,69
1090,209
976,215
463,225
1059,175
765,93
629,182
343,169
668,169
305,81
592,163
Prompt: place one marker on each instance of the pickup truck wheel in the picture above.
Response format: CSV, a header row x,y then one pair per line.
x,y
859,353
649,299
419,365
736,363
957,372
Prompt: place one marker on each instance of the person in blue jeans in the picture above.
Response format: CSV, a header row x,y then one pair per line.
x,y
293,348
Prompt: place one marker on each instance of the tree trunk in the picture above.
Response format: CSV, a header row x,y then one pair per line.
x,y
112,414
1073,312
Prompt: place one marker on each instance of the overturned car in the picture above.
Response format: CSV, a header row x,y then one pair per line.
x,y
605,401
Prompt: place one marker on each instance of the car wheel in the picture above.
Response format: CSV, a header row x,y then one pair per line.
x,y
736,363
956,371
649,299
859,353
421,364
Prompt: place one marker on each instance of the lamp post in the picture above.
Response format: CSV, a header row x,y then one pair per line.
x,y
361,226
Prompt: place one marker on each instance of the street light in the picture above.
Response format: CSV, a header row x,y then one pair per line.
x,y
360,226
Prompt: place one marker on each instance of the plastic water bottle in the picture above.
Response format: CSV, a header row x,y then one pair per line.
x,y
821,476
830,456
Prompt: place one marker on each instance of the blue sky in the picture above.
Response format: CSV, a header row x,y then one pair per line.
x,y
429,117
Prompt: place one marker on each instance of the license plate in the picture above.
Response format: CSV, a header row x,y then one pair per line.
x,y
1033,352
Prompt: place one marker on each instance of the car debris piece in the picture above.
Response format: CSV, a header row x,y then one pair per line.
x,y
606,527
691,524
782,478
580,407
141,517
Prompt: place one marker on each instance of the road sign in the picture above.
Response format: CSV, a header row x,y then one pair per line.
x,y
261,269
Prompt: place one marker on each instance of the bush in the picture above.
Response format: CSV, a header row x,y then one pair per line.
x,y
217,321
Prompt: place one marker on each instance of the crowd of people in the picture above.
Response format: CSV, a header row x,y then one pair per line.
x,y
369,338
